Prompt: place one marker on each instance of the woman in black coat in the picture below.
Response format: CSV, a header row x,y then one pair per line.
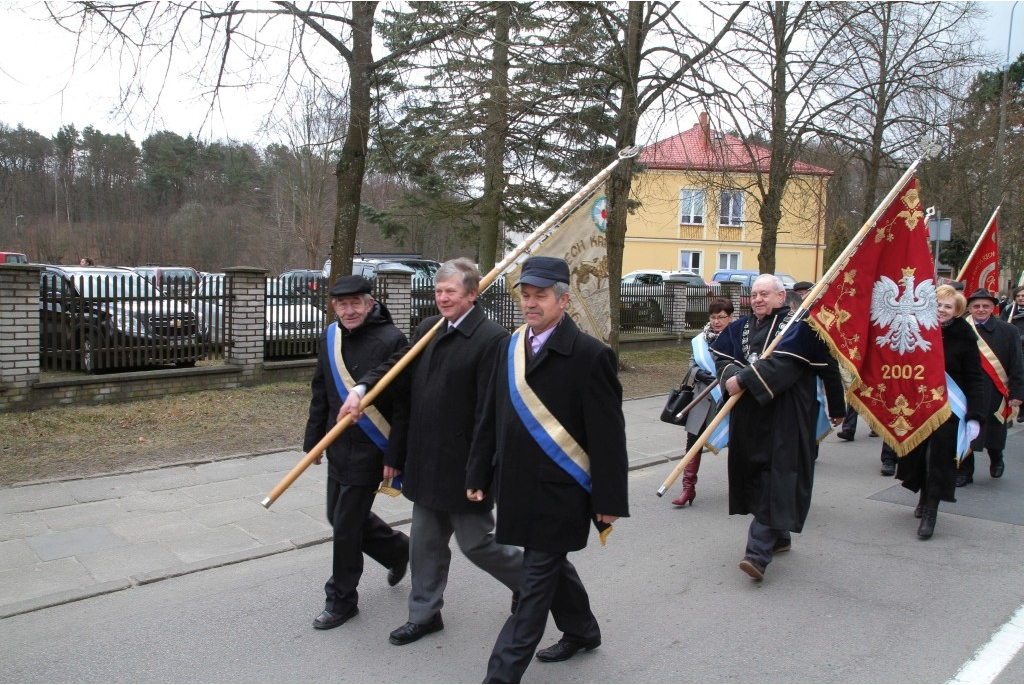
x,y
931,467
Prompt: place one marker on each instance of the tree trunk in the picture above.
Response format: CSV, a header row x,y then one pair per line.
x,y
351,165
496,132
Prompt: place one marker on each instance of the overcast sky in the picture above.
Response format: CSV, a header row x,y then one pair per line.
x,y
43,86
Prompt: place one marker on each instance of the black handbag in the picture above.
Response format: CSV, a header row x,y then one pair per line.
x,y
678,399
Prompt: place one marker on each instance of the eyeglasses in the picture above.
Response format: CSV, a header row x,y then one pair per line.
x,y
721,317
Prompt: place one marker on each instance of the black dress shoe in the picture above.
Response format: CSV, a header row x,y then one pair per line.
x,y
397,572
327,620
963,479
411,632
843,435
996,469
752,568
565,649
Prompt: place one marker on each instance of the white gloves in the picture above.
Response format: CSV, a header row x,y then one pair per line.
x,y
973,430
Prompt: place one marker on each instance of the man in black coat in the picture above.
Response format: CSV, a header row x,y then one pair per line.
x,y
364,337
1014,314
553,430
772,438
1001,360
430,445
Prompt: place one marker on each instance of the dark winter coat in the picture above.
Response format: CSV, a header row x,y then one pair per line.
x,y
772,429
540,506
353,459
935,458
433,431
1004,340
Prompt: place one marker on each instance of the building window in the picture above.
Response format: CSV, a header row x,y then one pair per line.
x,y
728,260
691,206
730,208
690,261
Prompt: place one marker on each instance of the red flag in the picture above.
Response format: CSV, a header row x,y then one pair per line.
x,y
879,316
982,267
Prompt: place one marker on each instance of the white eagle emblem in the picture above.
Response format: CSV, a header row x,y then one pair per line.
x,y
903,316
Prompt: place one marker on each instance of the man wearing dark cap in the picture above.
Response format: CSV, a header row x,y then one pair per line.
x,y
363,337
801,288
1001,359
552,446
430,446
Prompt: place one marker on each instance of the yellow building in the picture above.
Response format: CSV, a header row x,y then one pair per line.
x,y
699,208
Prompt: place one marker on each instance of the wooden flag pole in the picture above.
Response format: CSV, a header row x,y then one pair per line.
x,y
811,297
415,350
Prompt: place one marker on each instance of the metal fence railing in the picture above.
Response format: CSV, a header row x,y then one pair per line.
x,y
297,313
92,322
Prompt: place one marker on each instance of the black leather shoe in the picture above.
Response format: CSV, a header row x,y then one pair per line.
x,y
411,632
397,572
843,435
888,468
782,545
752,568
565,649
327,620
963,479
996,469
515,603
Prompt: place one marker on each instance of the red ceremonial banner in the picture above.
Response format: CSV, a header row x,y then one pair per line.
x,y
879,316
982,267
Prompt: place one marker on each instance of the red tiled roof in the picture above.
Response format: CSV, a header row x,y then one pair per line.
x,y
700,150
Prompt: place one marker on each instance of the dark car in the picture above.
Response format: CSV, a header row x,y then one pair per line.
x,y
304,281
103,318
176,281
642,296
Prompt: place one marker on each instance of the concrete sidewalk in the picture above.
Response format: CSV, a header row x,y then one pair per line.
x,y
67,540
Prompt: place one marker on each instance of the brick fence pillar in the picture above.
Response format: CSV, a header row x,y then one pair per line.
x,y
394,289
19,332
245,289
675,307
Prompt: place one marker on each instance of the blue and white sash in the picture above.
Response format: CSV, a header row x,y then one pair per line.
x,y
719,438
824,426
372,421
958,403
540,423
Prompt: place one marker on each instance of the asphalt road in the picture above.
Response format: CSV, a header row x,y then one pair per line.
x,y
859,599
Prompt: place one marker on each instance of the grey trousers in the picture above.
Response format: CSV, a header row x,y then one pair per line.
x,y
761,541
430,555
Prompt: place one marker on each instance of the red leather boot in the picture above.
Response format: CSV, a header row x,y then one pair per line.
x,y
689,483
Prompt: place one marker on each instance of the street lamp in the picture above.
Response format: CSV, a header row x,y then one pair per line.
x,y
17,230
997,192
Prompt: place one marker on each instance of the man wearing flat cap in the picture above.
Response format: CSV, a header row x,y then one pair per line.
x,y
362,338
551,445
1001,360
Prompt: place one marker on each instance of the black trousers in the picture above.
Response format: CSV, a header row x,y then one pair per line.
x,y
357,531
550,583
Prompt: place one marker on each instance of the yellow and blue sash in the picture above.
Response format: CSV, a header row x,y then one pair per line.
x,y
540,423
372,421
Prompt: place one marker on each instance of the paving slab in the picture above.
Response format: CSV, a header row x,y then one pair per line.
x,y
21,525
280,526
91,514
35,497
223,513
44,578
104,487
222,491
72,542
227,469
122,562
17,554
152,502
170,478
210,544
151,527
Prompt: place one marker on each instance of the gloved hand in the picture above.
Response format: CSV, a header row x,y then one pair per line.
x,y
973,430
704,378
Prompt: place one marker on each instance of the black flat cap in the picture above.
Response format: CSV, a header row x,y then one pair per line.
x,y
803,285
982,294
350,285
544,272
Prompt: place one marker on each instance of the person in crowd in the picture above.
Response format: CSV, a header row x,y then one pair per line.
x,y
430,445
701,373
554,433
801,288
772,437
930,468
86,261
363,337
1003,364
1014,314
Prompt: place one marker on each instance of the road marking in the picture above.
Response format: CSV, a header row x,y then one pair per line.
x,y
990,660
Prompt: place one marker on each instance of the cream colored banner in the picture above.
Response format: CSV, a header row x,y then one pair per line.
x,y
580,240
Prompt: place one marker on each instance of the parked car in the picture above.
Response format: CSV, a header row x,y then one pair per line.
x,y
746,277
176,281
642,294
304,281
13,258
102,318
